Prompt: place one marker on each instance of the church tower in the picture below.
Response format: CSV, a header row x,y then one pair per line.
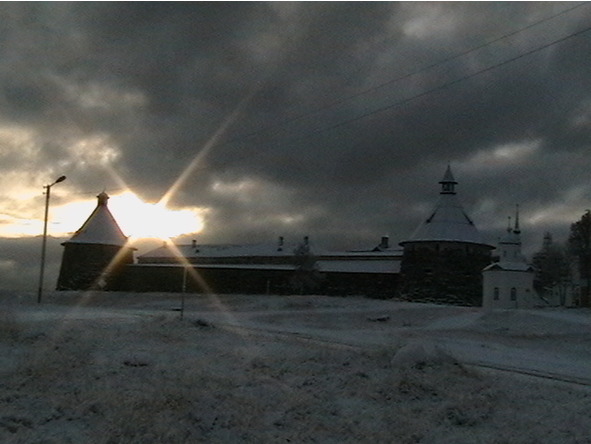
x,y
444,257
95,255
509,282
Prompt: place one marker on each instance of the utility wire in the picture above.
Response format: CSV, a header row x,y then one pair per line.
x,y
443,86
402,77
407,100
416,96
427,92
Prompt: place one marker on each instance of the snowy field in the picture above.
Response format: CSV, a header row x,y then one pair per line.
x,y
125,368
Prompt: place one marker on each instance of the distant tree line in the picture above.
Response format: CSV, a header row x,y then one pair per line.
x,y
557,265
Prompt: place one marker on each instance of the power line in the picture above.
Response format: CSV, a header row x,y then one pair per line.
x,y
439,87
406,76
419,95
453,82
402,77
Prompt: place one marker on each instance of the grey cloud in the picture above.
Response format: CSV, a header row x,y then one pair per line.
x,y
177,71
20,261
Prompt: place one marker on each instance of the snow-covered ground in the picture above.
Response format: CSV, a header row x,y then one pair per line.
x,y
123,367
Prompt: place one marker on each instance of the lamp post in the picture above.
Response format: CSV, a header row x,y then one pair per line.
x,y
44,242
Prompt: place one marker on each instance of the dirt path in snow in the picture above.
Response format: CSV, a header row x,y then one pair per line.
x,y
525,352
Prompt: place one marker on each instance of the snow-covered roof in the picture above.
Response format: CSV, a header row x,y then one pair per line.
x,y
283,267
448,221
359,266
263,250
265,257
221,251
510,238
509,266
389,253
100,227
324,266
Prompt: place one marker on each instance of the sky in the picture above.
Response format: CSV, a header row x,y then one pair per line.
x,y
242,122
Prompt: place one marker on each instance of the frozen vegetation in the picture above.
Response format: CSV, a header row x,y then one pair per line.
x,y
124,368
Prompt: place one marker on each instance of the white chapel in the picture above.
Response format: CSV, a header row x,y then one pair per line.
x,y
509,282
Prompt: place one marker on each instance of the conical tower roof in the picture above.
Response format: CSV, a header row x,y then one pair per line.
x,y
448,222
100,227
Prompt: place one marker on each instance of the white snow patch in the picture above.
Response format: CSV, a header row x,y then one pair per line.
x,y
419,353
122,367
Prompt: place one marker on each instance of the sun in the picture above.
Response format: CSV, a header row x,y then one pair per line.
x,y
139,219
136,218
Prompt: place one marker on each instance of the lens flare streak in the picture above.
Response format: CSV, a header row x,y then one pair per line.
x,y
207,147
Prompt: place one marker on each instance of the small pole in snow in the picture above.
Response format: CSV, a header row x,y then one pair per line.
x,y
184,289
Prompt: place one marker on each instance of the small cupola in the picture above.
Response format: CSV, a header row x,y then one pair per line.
x,y
448,183
103,199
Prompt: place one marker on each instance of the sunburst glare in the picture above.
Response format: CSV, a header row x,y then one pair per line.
x,y
140,219
207,147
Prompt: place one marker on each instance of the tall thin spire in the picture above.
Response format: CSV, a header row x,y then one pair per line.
x,y
517,230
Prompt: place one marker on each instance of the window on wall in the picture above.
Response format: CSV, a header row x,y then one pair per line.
x,y
513,294
496,294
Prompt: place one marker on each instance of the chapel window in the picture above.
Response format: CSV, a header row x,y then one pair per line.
x,y
513,294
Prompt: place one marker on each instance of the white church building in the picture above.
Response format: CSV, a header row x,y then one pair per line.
x,y
509,282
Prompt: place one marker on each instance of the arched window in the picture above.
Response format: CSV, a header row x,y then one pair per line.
x,y
496,294
513,293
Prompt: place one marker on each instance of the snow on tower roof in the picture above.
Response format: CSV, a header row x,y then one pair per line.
x,y
279,249
100,227
448,222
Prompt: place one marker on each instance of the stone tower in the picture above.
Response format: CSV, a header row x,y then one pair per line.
x,y
95,255
443,259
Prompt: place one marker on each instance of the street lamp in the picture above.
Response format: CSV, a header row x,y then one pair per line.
x,y
48,188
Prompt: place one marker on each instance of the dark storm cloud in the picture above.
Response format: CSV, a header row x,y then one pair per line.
x,y
20,263
326,141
